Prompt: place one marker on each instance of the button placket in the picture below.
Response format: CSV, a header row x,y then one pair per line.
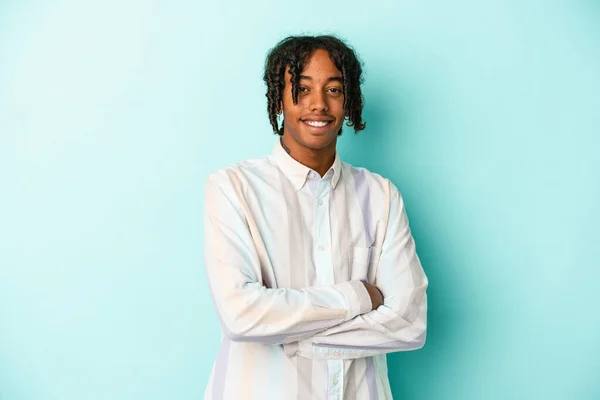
x,y
335,384
322,233
325,273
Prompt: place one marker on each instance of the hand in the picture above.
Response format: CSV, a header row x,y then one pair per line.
x,y
375,294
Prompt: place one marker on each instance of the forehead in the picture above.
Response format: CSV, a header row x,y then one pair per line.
x,y
320,61
319,65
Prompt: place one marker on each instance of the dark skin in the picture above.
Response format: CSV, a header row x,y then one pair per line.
x,y
311,127
320,101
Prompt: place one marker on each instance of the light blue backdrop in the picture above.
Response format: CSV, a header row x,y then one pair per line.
x,y
112,114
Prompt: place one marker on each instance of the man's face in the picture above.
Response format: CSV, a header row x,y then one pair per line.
x,y
317,118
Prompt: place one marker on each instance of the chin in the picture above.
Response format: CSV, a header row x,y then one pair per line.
x,y
317,142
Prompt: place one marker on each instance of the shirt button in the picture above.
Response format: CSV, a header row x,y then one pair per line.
x,y
335,381
321,248
320,202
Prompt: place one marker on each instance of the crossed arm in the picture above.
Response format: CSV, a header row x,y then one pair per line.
x,y
335,321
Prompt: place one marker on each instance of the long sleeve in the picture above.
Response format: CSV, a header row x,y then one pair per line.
x,y
248,311
400,323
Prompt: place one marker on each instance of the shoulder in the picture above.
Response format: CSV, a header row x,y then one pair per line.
x,y
362,175
372,181
240,172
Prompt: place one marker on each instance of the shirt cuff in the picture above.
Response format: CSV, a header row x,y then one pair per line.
x,y
357,297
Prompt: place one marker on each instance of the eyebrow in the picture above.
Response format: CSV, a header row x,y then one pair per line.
x,y
330,79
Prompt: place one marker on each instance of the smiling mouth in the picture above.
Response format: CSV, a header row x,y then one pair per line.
x,y
317,124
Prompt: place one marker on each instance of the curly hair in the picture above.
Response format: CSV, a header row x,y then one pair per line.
x,y
294,52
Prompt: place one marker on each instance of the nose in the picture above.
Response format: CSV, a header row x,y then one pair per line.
x,y
318,101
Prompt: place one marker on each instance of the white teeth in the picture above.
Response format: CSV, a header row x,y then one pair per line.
x,y
317,124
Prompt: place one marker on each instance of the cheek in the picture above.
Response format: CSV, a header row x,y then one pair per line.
x,y
291,110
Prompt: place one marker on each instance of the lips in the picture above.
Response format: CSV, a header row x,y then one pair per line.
x,y
317,122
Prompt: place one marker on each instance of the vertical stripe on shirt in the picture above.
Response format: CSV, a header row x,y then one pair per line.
x,y
247,370
304,366
218,386
350,381
364,199
371,382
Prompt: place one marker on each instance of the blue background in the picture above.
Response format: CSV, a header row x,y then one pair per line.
x,y
112,114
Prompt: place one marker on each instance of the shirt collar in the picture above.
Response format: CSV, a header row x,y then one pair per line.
x,y
298,173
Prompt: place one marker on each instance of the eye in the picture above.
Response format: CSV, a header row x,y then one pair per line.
x,y
336,91
302,89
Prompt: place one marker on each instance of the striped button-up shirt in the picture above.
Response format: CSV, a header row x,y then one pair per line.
x,y
286,253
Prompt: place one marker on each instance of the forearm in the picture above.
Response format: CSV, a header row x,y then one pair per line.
x,y
249,311
377,332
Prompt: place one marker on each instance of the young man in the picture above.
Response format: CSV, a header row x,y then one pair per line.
x,y
310,261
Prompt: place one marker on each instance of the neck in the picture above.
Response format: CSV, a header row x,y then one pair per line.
x,y
319,160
